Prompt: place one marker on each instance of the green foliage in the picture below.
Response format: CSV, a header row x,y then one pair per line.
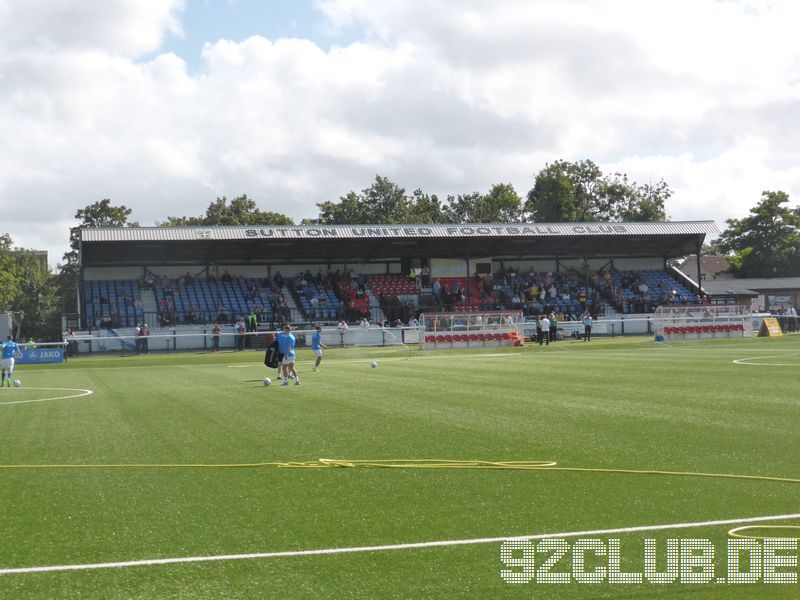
x,y
426,208
385,202
572,192
37,297
766,243
501,205
382,202
241,211
8,280
28,287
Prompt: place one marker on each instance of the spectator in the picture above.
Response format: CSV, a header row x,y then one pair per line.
x,y
239,330
587,327
543,329
216,333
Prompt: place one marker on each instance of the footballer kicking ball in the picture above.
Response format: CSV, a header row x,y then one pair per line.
x,y
374,365
17,383
267,381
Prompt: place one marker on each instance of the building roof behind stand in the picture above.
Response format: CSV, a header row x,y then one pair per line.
x,y
323,243
751,286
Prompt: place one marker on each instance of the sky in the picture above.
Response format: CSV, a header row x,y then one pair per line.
x,y
165,105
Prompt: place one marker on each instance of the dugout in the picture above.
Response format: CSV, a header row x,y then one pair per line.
x,y
140,253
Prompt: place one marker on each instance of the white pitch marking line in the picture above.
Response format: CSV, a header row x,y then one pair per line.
x,y
85,393
745,361
410,546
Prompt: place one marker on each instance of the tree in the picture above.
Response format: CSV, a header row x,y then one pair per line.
x,y
570,192
501,205
383,202
426,208
767,242
241,211
8,280
27,287
37,298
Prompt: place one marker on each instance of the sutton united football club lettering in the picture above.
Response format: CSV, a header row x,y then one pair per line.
x,y
383,231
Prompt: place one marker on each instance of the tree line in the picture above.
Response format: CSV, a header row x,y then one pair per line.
x,y
766,243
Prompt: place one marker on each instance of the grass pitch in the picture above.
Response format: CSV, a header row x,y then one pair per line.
x,y
724,406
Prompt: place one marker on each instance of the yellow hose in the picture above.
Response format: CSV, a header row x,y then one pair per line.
x,y
524,465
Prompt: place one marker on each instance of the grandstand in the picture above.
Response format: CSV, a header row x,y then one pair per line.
x,y
316,299
190,277
648,290
207,301
113,302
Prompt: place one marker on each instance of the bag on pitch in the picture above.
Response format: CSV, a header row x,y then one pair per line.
x,y
272,358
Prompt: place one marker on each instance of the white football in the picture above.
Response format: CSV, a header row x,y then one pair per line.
x,y
374,365
17,383
267,381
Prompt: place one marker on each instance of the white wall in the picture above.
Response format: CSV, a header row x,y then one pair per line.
x,y
169,272
525,266
108,273
638,264
390,266
251,271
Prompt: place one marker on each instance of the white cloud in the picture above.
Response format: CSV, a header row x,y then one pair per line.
x,y
451,96
128,27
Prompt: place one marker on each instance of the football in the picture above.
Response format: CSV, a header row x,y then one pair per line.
x,y
267,381
374,365
17,383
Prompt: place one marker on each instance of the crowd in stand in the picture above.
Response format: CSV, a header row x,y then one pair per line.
x,y
336,295
569,294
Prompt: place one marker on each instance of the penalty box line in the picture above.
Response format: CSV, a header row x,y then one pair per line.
x,y
409,546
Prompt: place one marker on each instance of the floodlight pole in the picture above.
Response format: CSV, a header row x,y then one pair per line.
x,y
586,280
469,294
699,282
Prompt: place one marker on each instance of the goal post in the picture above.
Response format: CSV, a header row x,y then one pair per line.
x,y
471,330
702,322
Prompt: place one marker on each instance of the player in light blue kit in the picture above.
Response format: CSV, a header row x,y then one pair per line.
x,y
317,346
10,351
286,344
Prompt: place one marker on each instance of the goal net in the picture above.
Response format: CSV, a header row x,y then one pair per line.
x,y
471,330
702,322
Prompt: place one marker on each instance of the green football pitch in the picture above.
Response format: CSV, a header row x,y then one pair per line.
x,y
109,465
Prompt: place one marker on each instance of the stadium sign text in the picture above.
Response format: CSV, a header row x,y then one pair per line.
x,y
688,560
41,355
434,231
